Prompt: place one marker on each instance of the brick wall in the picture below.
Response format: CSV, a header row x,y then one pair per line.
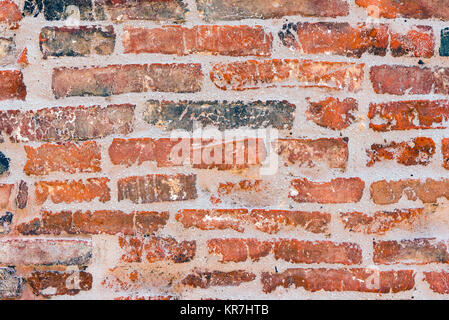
x,y
94,205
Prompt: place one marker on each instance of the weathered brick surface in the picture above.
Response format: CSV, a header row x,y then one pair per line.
x,y
224,149
67,157
235,10
222,154
309,153
269,221
10,14
223,115
254,74
66,123
335,38
355,40
417,151
361,280
407,115
81,41
119,79
207,279
156,249
437,281
338,190
11,85
96,222
420,9
445,151
218,40
444,44
55,283
381,222
73,190
45,252
123,10
399,80
417,251
332,113
157,188
428,191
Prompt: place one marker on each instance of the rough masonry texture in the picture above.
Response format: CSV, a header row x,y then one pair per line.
x,y
224,149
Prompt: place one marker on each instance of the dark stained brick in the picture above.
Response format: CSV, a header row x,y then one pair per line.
x,y
80,41
444,48
224,115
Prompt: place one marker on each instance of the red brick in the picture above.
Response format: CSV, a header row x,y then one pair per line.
x,y
400,80
96,222
168,249
69,191
207,279
66,123
49,223
332,113
254,74
216,40
5,194
417,251
269,221
445,151
413,152
332,153
55,283
239,250
119,79
156,249
248,192
124,10
132,247
272,221
418,9
11,85
381,222
296,251
10,14
45,252
22,195
417,42
407,115
356,279
335,38
266,9
428,191
199,153
99,222
340,190
68,157
134,278
157,188
438,281
148,222
217,219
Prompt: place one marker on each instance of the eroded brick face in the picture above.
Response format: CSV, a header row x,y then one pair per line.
x,y
224,149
